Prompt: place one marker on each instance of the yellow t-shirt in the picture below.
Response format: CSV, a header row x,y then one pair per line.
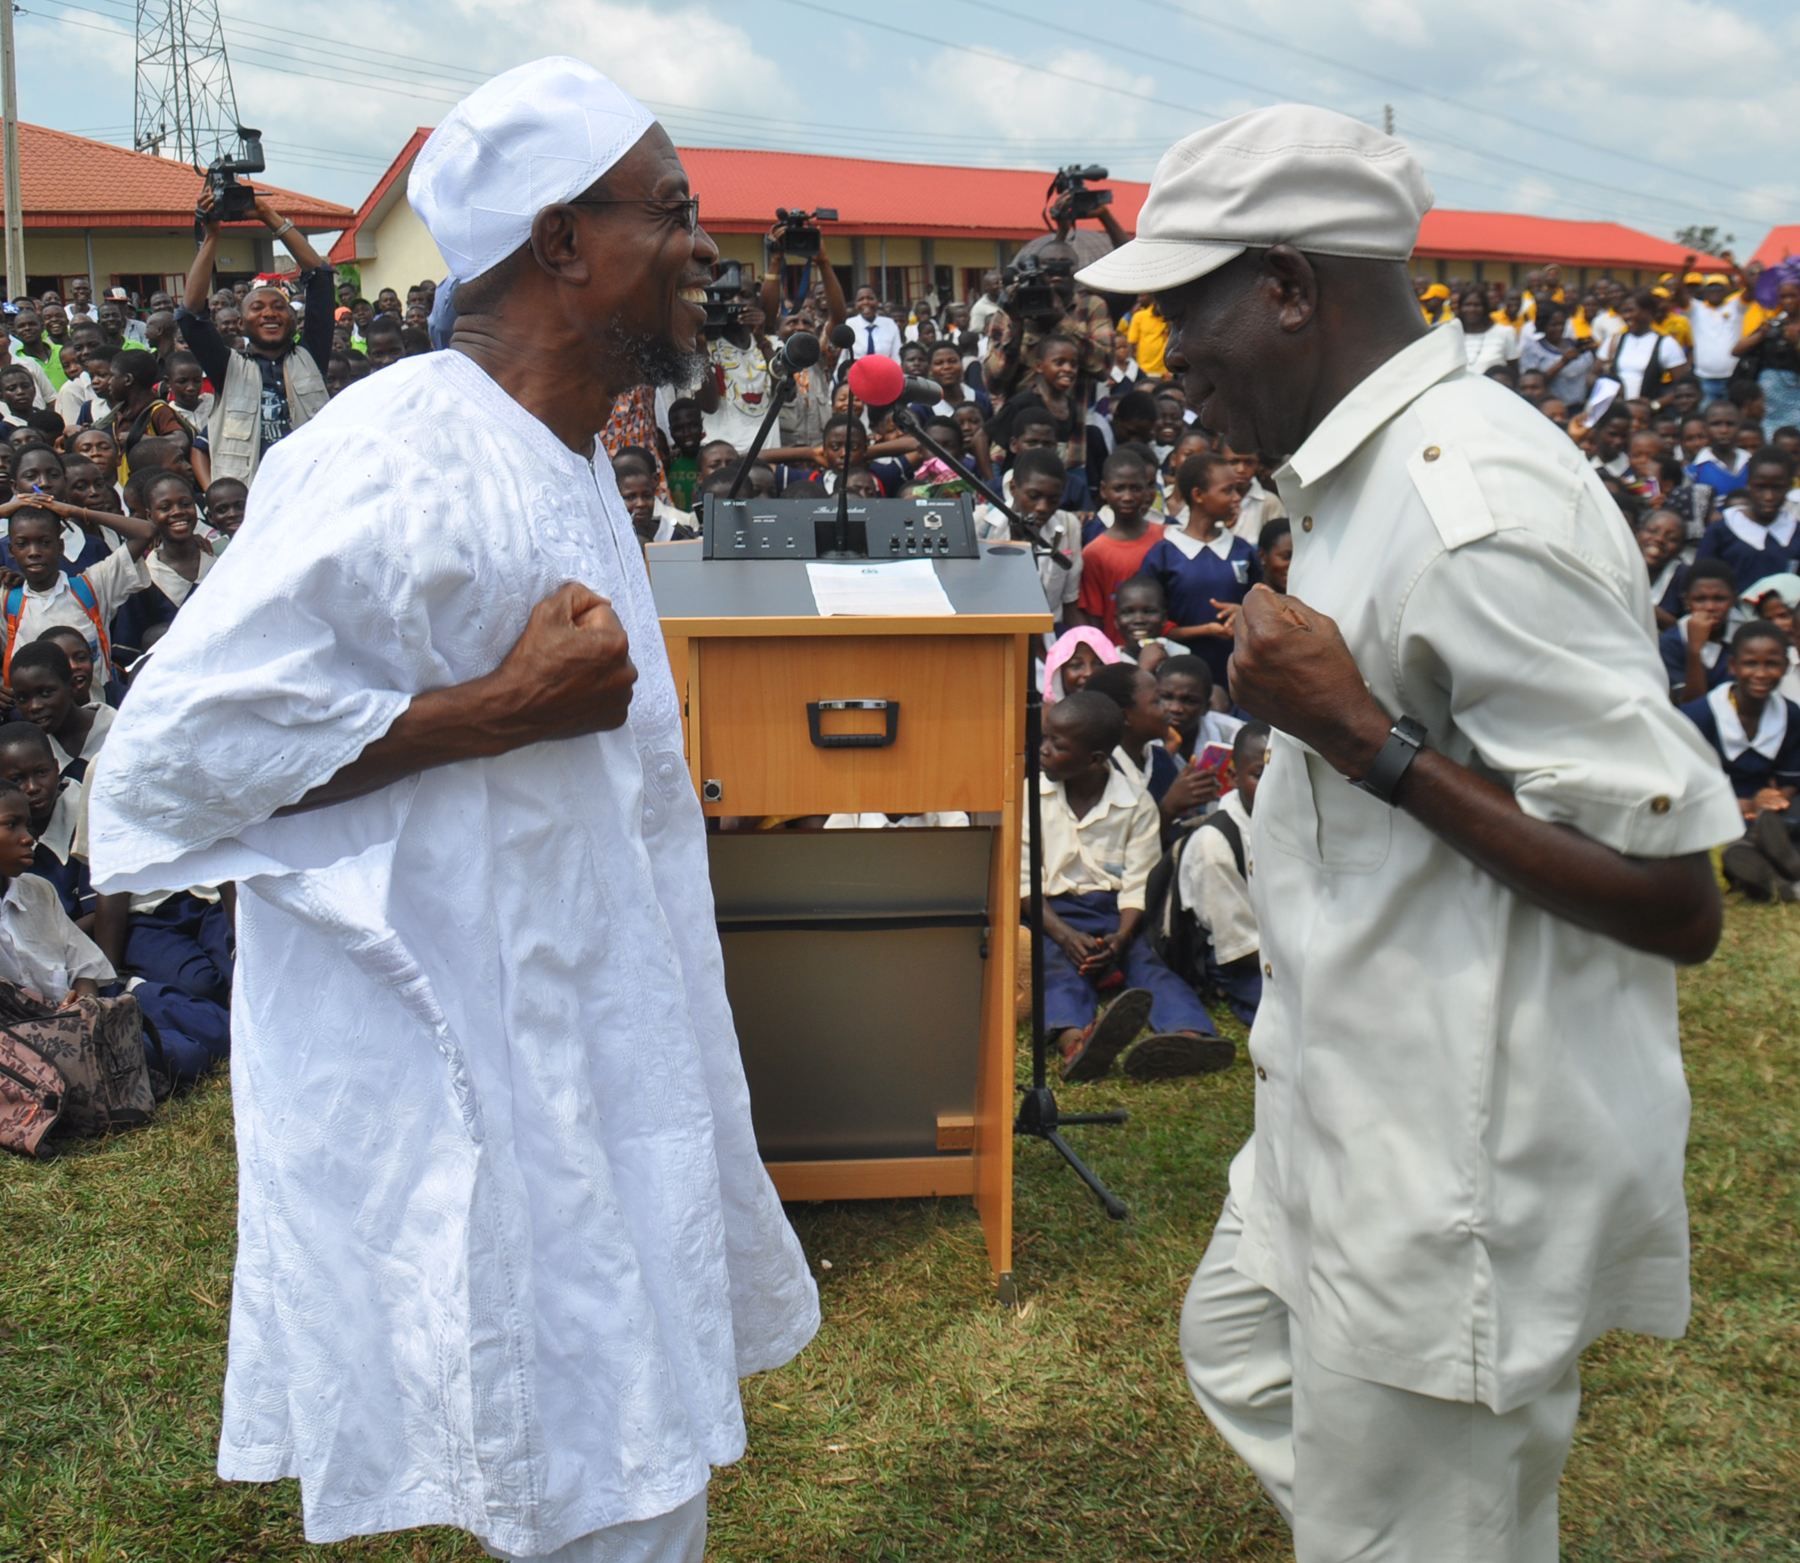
x,y
1755,315
1148,334
1676,326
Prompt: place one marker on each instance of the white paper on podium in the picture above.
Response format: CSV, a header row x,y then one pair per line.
x,y
902,588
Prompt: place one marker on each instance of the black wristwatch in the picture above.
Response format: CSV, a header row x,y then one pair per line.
x,y
1405,739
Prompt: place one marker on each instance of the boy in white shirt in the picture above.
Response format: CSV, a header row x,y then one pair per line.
x,y
1102,836
85,602
41,951
1213,884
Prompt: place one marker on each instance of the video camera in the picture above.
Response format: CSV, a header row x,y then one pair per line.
x,y
234,200
800,236
1029,294
1073,183
724,307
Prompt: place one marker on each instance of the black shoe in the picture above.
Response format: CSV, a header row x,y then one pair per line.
x,y
1776,843
1748,870
1110,1032
1172,1054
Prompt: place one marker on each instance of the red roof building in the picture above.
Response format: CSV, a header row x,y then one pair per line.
x,y
1781,243
118,217
904,225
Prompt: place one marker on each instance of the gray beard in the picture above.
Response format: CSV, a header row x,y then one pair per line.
x,y
657,360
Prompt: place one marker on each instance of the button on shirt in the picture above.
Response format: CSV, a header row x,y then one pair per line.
x,y
1471,1131
1111,847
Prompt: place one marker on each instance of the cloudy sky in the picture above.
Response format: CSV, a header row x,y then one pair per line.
x,y
1656,113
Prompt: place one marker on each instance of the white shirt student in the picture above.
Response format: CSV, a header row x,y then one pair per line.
x,y
40,948
880,335
112,580
1214,891
104,717
1062,532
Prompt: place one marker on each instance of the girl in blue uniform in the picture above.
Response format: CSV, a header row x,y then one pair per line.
x,y
1205,570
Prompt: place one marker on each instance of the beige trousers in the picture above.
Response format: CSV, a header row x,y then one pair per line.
x,y
1361,1470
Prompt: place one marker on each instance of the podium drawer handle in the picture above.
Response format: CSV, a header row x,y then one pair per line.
x,y
891,708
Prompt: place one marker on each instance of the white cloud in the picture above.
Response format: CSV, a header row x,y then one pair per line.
x,y
1016,105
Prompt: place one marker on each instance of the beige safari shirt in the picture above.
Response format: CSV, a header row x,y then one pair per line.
x,y
1471,1115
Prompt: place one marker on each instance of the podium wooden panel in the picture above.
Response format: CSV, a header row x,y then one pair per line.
x,y
749,652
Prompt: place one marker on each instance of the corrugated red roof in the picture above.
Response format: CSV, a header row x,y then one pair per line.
x,y
1507,236
70,182
1781,243
739,191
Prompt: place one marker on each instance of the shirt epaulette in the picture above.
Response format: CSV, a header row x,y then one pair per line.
x,y
1446,483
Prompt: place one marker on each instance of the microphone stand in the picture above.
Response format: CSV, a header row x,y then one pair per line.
x,y
1038,1114
779,398
1022,530
840,541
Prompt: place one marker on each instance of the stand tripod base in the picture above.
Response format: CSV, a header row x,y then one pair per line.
x,y
1039,1116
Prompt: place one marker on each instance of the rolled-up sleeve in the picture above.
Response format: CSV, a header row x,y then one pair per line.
x,y
1558,688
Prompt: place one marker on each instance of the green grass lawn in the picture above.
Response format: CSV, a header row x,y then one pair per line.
x,y
926,1422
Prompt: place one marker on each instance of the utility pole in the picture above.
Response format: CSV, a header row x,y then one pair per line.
x,y
1387,118
9,150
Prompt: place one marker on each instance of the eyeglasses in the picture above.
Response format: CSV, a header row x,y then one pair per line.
x,y
688,211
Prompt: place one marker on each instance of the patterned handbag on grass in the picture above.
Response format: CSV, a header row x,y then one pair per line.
x,y
78,1071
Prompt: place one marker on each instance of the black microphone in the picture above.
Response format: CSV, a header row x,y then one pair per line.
x,y
843,336
800,351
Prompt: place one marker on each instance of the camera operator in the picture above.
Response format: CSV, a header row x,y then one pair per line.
x,y
803,419
734,395
266,393
1080,316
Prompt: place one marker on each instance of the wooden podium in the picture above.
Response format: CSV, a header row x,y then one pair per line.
x,y
871,972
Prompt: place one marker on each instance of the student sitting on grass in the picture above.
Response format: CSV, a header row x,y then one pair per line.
x,y
1077,656
194,1026
1204,567
1756,733
1213,882
1141,610
1141,757
41,950
1102,836
1185,686
1693,647
26,760
43,691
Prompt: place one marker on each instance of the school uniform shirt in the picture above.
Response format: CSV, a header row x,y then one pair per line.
x,y
1672,647
40,948
486,1013
1155,775
1668,587
1470,1113
1768,758
1193,574
949,819
43,388
1715,332
76,393
1722,477
1256,510
1106,561
59,857
112,580
1215,892
104,717
1111,847
1062,532
879,335
1750,548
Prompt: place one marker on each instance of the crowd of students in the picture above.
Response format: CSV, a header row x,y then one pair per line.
x,y
124,479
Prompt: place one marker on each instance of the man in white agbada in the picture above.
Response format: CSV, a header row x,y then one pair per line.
x,y
504,1242
1470,1110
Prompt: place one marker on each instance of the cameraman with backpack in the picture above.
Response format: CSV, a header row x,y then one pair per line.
x,y
264,394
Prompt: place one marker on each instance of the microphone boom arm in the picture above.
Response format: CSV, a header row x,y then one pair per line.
x,y
1022,530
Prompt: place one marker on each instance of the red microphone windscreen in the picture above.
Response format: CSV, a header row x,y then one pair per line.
x,y
877,381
